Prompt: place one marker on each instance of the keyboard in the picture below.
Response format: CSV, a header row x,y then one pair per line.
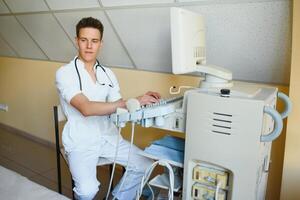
x,y
164,102
150,114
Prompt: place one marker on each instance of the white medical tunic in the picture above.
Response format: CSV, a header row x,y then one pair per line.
x,y
85,133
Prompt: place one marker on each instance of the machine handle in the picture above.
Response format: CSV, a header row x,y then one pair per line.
x,y
278,125
288,104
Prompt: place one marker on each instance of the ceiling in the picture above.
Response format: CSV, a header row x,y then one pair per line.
x,y
252,38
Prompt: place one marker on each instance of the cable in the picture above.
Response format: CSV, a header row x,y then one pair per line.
x,y
179,89
114,165
152,193
133,105
171,180
127,164
145,179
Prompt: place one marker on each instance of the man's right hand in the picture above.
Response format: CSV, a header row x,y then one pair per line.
x,y
147,99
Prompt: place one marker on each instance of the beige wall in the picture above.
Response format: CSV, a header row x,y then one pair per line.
x,y
28,88
291,171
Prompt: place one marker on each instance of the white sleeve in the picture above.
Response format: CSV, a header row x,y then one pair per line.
x,y
114,92
67,84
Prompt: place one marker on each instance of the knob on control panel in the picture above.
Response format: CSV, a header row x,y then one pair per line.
x,y
225,92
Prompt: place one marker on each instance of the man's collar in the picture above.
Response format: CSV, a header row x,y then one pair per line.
x,y
80,63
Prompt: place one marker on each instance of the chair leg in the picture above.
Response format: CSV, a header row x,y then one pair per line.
x,y
57,148
58,173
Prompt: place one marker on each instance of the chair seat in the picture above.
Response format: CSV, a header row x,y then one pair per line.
x,y
101,161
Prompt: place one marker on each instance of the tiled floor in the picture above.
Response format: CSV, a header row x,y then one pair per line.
x,y
38,163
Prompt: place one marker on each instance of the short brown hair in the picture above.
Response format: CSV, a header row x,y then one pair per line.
x,y
89,22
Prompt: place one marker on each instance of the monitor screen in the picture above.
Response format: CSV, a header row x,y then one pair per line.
x,y
188,41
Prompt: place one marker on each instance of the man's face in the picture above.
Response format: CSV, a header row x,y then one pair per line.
x,y
89,43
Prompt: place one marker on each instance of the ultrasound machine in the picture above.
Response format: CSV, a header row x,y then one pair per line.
x,y
228,127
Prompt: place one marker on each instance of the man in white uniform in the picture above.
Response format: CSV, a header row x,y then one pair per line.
x,y
88,93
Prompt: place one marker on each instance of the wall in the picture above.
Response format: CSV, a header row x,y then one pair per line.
x,y
252,38
291,171
28,88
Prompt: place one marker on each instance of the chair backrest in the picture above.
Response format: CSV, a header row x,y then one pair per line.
x,y
58,117
60,114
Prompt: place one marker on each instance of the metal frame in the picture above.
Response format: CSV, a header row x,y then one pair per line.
x,y
59,153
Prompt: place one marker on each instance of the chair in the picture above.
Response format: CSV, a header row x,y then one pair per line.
x,y
60,117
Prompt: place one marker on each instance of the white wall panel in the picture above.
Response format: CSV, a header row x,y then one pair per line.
x,y
3,8
146,34
49,35
5,50
17,37
112,53
72,4
132,2
26,5
197,0
252,40
226,1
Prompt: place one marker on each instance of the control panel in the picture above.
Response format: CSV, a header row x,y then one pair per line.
x,y
208,182
160,115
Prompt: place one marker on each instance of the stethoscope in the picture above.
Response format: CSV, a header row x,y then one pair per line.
x,y
97,65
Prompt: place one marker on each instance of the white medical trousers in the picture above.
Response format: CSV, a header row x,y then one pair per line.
x,y
83,167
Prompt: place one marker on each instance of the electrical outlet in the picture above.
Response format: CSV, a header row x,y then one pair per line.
x,y
204,192
210,176
4,107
